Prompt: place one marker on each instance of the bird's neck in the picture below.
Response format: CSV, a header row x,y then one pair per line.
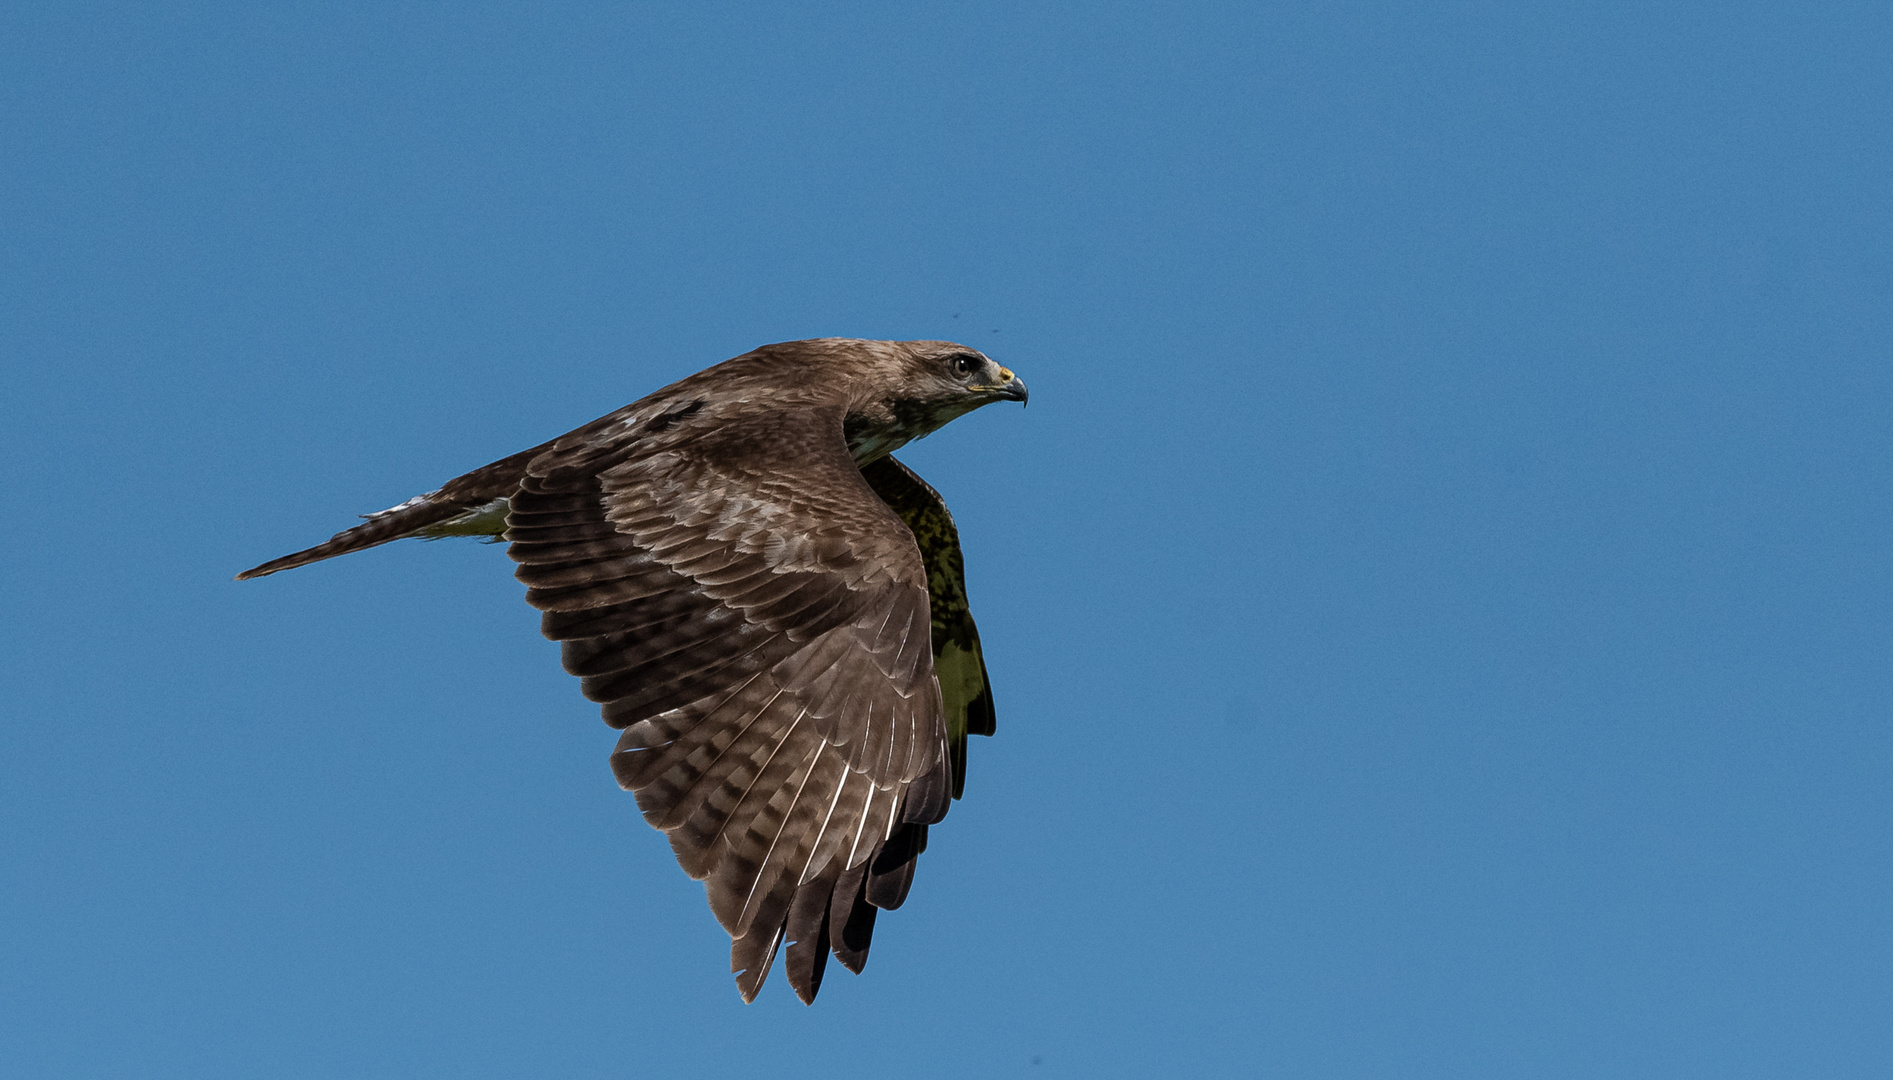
x,y
886,426
870,442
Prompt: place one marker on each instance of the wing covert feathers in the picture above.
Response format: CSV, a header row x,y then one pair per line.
x,y
758,622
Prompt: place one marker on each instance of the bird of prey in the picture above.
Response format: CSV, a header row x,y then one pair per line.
x,y
773,610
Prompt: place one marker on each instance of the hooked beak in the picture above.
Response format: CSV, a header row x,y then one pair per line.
x,y
1009,387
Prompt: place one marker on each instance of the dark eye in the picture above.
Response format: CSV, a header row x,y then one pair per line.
x,y
964,364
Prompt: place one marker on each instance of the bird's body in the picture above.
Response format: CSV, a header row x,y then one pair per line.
x,y
774,611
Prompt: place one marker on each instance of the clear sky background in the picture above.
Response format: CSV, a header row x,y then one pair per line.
x,y
1438,599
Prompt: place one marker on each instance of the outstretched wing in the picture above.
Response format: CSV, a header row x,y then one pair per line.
x,y
734,594
957,661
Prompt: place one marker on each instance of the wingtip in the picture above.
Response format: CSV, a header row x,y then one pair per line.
x,y
853,961
751,969
749,984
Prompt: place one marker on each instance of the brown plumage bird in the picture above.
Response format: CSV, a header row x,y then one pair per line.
x,y
774,612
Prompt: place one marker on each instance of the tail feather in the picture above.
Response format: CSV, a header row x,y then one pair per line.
x,y
408,519
433,514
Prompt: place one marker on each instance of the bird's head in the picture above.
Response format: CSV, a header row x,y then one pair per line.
x,y
910,389
967,378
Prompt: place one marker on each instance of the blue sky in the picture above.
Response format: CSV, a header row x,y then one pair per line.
x,y
1438,599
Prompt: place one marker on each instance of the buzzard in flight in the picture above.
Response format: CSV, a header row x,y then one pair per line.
x,y
774,612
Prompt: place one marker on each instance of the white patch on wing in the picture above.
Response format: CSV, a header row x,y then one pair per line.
x,y
415,501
